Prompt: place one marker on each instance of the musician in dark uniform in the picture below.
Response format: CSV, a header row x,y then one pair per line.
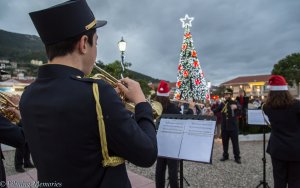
x,y
283,112
229,126
12,135
78,130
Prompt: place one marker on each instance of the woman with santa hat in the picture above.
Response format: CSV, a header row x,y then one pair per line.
x,y
162,96
283,112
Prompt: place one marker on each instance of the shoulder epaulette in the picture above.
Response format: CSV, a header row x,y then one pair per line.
x,y
85,79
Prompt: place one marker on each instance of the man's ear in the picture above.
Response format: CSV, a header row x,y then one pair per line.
x,y
83,44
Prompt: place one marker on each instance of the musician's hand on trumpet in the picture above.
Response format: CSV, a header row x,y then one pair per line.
x,y
132,90
15,111
15,99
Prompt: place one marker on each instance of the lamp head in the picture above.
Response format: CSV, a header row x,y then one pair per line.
x,y
122,45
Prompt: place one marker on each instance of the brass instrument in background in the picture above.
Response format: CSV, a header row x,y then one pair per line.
x,y
5,103
156,106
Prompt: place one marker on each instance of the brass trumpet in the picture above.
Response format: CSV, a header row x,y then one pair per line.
x,y
156,106
5,103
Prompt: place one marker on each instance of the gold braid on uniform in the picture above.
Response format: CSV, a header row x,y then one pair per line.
x,y
107,160
224,110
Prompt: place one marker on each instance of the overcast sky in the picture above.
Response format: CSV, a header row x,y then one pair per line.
x,y
232,37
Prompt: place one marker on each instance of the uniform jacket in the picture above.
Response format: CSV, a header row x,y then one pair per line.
x,y
12,135
229,117
284,142
60,124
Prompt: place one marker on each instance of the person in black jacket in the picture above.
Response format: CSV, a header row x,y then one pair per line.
x,y
78,129
162,96
242,103
283,112
229,126
12,135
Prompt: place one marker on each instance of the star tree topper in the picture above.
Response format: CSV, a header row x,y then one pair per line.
x,y
186,21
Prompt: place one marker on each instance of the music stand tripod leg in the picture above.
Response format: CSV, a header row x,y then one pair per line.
x,y
264,182
181,178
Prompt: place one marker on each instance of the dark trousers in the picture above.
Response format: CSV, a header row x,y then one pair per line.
x,y
234,136
286,173
160,172
2,174
22,156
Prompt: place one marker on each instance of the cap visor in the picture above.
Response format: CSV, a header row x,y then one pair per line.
x,y
100,23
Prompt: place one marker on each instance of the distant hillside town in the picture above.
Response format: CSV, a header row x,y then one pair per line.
x,y
14,76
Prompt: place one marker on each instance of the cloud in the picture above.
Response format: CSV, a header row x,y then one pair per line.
x,y
232,38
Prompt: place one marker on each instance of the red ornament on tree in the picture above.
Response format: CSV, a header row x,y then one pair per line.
x,y
197,81
178,84
184,46
196,64
180,67
207,96
177,96
194,53
188,35
185,73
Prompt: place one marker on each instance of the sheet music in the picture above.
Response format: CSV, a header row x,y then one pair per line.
x,y
186,139
255,117
197,140
169,137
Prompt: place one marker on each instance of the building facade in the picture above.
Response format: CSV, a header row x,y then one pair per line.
x,y
255,86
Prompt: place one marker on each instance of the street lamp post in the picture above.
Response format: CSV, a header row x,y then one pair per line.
x,y
122,48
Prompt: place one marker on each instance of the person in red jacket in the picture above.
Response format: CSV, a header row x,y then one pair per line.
x,y
283,112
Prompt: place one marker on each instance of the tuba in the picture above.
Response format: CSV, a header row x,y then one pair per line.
x,y
156,106
5,103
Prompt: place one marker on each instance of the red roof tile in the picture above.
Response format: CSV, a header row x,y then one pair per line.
x,y
246,79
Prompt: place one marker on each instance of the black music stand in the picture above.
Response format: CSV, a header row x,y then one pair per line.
x,y
181,177
264,182
261,121
188,117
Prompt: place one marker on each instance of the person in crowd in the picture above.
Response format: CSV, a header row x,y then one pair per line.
x,y
22,158
242,103
12,135
162,96
229,126
78,129
256,102
283,112
206,110
218,115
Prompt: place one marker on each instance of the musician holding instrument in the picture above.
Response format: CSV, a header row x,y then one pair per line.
x,y
78,129
283,112
229,126
10,134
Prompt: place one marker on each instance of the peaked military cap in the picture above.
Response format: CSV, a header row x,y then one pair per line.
x,y
228,90
63,21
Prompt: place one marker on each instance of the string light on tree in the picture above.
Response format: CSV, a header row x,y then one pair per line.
x,y
191,83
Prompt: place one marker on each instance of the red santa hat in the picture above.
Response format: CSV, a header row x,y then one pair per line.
x,y
163,89
277,83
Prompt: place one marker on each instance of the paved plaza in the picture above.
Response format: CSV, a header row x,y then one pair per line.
x,y
218,174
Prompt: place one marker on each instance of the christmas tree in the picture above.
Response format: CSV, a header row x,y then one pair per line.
x,y
191,83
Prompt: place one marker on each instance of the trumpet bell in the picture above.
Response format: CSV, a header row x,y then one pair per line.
x,y
5,103
156,109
